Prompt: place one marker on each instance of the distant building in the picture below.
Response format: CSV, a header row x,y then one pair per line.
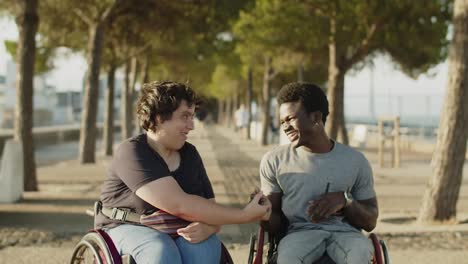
x,y
2,94
44,99
118,85
68,108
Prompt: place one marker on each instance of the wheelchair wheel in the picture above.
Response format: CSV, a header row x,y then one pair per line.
x,y
385,252
377,249
252,248
92,248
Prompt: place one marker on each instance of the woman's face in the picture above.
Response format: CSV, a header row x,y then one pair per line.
x,y
173,132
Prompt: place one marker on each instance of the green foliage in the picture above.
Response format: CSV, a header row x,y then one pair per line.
x,y
416,36
194,42
291,31
60,26
413,34
44,56
222,83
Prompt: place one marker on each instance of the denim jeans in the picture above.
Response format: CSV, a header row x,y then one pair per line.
x,y
306,246
148,246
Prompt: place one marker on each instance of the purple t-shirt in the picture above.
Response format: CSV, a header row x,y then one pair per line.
x,y
135,164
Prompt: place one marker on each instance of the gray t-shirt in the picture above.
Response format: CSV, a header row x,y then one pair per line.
x,y
303,176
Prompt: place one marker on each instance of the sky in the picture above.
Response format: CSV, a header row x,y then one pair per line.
x,y
394,92
69,68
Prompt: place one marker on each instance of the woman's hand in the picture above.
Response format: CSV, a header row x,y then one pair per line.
x,y
259,208
197,232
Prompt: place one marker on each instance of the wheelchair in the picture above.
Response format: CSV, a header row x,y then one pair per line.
x,y
257,247
96,247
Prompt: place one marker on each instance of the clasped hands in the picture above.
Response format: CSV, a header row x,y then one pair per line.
x,y
326,205
259,202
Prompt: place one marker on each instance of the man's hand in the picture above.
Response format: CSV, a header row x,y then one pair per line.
x,y
328,204
197,232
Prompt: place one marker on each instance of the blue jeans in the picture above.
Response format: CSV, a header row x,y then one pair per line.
x,y
307,246
148,246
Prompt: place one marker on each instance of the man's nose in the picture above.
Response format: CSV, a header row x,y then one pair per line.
x,y
286,126
191,124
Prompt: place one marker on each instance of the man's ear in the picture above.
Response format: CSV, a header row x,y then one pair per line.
x,y
158,120
316,116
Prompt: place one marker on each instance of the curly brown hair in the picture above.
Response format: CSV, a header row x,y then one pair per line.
x,y
162,99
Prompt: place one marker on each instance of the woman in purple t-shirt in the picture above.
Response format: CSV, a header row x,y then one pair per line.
x,y
159,171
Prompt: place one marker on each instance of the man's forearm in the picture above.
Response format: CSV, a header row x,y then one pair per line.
x,y
274,224
361,215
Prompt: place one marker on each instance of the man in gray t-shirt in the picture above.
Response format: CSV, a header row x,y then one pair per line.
x,y
325,189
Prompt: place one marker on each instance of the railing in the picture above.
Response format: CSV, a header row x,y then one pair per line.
x,y
53,134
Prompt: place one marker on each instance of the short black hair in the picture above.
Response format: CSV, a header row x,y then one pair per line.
x,y
162,98
311,96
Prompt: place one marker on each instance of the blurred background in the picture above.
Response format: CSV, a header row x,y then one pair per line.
x,y
394,73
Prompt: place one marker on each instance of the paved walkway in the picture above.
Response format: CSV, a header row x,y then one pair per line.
x,y
45,225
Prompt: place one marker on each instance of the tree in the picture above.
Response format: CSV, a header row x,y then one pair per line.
x,y
356,29
95,21
86,18
42,63
224,86
351,30
441,196
128,41
43,58
27,20
128,37
256,45
274,33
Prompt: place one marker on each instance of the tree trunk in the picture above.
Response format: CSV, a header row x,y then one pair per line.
x,y
336,125
238,99
336,120
300,72
108,130
219,119
228,112
266,93
91,94
343,132
145,78
132,96
441,196
249,100
125,115
235,106
134,76
28,22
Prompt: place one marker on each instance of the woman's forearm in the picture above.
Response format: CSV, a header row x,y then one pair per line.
x,y
166,195
197,209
